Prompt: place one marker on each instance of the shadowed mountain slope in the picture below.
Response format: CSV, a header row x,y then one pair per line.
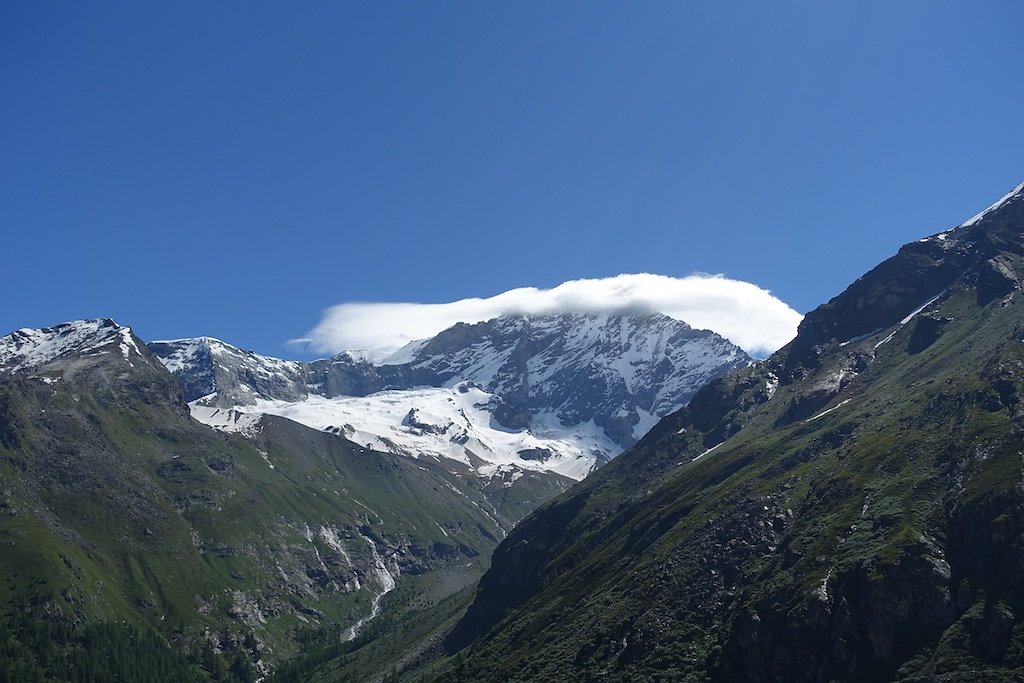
x,y
850,509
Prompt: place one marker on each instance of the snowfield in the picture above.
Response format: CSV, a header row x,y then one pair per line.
x,y
451,423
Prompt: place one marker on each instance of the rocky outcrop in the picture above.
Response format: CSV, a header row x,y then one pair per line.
x,y
857,624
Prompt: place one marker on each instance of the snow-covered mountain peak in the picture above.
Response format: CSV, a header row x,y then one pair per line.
x,y
963,237
592,382
205,365
1015,193
184,352
403,355
29,348
623,370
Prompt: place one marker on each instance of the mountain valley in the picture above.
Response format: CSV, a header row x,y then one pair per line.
x,y
850,508
511,342
234,549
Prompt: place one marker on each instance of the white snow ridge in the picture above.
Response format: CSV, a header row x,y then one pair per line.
x,y
1012,194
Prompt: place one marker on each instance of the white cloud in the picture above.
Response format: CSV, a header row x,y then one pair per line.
x,y
742,312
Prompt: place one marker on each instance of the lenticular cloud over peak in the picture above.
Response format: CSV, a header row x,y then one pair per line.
x,y
747,315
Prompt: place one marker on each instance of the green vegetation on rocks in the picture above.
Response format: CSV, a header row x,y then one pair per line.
x,y
850,509
122,521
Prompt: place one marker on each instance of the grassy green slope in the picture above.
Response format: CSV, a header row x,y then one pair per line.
x,y
877,541
116,507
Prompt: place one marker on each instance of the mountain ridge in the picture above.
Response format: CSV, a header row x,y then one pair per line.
x,y
579,386
844,510
119,514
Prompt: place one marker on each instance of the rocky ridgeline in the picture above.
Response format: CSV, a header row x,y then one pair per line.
x,y
621,371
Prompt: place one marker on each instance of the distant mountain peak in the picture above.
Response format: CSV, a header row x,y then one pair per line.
x,y
205,365
29,348
598,381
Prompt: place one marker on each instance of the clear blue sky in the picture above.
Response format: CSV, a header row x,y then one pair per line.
x,y
233,168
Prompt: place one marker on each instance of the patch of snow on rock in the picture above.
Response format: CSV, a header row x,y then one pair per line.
x,y
29,348
1012,194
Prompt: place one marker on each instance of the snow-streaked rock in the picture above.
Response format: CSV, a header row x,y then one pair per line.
x,y
205,365
27,348
1015,193
227,419
561,393
621,371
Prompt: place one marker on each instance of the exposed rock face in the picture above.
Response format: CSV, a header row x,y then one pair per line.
x,y
854,624
617,370
927,330
205,366
987,248
540,454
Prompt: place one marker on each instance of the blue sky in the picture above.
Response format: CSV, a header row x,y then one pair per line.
x,y
234,168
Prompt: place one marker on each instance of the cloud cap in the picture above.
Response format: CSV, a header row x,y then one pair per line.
x,y
742,312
